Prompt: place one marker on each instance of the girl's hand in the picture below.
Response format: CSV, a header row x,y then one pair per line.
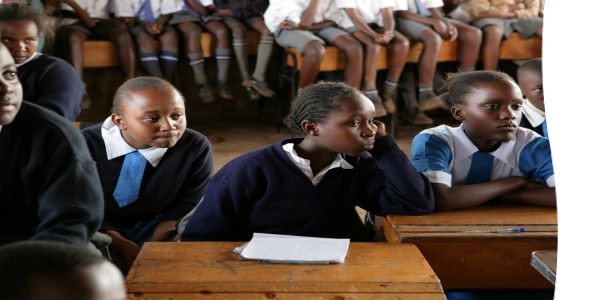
x,y
380,132
288,25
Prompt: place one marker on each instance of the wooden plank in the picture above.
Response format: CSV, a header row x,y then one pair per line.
x,y
465,257
203,268
285,296
517,48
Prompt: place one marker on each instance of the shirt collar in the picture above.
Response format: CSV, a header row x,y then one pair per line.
x,y
34,56
117,146
464,147
534,115
304,164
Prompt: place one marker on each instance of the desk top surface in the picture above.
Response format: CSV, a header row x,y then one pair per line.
x,y
212,267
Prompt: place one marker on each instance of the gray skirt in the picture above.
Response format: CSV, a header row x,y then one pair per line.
x,y
526,28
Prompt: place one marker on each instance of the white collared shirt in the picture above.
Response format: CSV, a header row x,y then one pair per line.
x,y
130,8
412,6
304,164
97,9
292,10
534,115
444,154
117,146
369,10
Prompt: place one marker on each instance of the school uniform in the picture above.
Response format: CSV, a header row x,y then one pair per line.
x,y
265,191
49,186
526,24
291,11
446,155
52,83
99,11
534,119
370,11
172,183
411,28
146,10
243,9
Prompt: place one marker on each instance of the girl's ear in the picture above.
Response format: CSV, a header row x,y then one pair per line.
x,y
310,128
118,121
457,112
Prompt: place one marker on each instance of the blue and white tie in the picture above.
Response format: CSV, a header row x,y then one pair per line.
x,y
130,178
545,129
145,13
481,168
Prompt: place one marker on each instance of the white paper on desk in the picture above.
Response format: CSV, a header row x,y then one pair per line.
x,y
294,249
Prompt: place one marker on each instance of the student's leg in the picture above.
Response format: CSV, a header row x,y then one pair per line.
x,y
371,50
223,56
490,50
191,34
265,48
426,70
119,35
168,53
396,59
240,48
313,54
75,39
354,59
148,54
469,43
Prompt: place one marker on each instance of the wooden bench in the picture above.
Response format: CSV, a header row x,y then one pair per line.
x,y
102,54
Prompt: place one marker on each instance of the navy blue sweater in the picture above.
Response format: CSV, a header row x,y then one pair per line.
x,y
168,192
52,83
263,191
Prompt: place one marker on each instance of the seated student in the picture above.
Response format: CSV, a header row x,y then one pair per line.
x,y
49,187
47,81
48,270
153,170
424,21
311,186
308,25
199,11
529,76
146,21
498,19
488,156
94,23
372,23
237,14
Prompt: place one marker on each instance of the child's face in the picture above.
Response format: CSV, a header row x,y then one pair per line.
x,y
491,112
21,39
152,118
532,86
350,128
11,92
96,282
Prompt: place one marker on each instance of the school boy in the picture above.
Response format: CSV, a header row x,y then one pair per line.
x,y
49,186
529,76
52,271
152,168
309,25
424,21
372,23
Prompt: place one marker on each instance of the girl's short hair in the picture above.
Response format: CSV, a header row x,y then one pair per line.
x,y
316,101
21,12
459,85
122,95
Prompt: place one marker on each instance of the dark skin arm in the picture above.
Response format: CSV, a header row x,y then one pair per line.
x,y
165,231
531,193
158,27
198,7
308,16
126,248
388,26
358,21
463,196
83,15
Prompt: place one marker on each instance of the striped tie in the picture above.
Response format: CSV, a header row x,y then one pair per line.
x,y
481,168
145,12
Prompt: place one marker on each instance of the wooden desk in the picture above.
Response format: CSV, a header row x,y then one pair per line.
x,y
212,270
545,263
464,259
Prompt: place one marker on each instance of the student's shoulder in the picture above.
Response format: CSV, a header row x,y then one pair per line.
x,y
49,127
258,160
445,132
524,136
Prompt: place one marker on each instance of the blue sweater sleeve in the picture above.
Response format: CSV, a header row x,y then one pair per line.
x,y
535,160
391,184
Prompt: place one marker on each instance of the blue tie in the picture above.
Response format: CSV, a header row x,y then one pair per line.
x,y
481,168
146,10
545,129
421,9
130,179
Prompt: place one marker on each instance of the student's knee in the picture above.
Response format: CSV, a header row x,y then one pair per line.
x,y
314,49
266,34
492,33
352,49
75,36
168,38
144,42
371,47
431,40
470,35
239,31
221,33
